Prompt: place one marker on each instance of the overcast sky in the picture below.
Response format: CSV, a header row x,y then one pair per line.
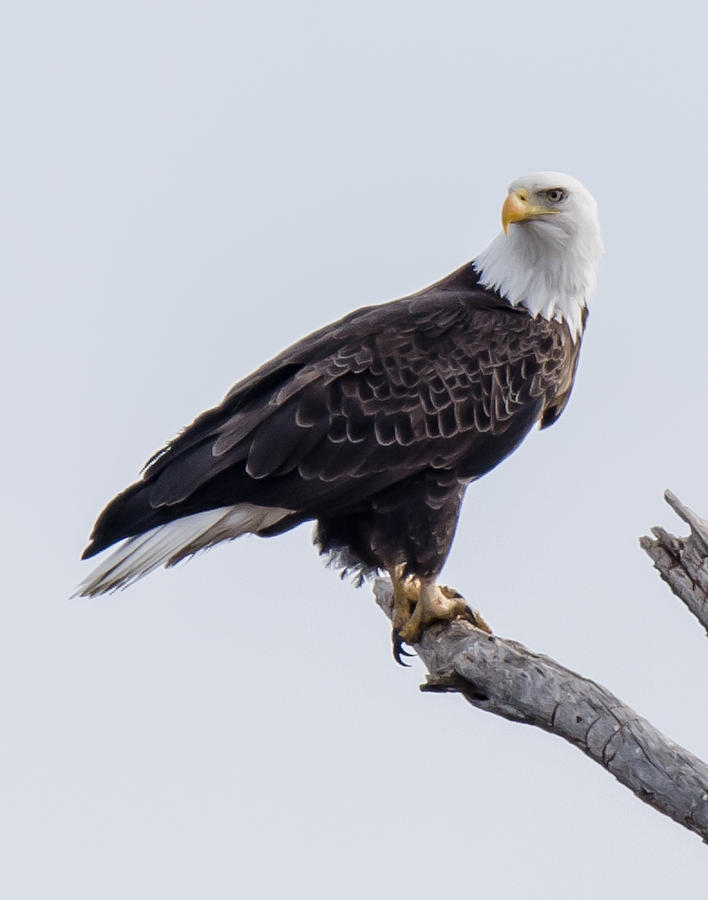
x,y
187,188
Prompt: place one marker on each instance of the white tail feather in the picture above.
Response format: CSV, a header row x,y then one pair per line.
x,y
167,544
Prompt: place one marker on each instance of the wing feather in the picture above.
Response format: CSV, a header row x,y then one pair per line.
x,y
452,378
387,393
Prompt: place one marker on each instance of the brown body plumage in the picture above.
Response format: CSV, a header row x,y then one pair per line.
x,y
372,426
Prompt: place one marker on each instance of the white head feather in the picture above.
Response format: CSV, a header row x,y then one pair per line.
x,y
547,262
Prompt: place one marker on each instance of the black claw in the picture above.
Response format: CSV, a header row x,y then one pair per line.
x,y
473,618
398,650
397,657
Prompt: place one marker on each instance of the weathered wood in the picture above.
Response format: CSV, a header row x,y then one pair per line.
x,y
505,678
683,562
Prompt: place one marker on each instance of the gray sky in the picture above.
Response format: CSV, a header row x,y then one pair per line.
x,y
187,188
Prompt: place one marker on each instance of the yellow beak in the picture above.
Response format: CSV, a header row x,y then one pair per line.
x,y
517,208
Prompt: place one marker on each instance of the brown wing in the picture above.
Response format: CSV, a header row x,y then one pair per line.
x,y
430,391
567,354
450,378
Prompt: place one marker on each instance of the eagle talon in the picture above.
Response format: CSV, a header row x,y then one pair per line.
x,y
475,618
398,650
436,603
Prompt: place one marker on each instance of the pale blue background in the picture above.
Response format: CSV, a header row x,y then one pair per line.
x,y
185,189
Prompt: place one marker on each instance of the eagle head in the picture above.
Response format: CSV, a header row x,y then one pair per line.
x,y
547,255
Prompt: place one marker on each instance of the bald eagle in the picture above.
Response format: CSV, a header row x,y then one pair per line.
x,y
374,425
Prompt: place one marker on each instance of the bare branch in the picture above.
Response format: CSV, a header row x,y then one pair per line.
x,y
683,562
505,678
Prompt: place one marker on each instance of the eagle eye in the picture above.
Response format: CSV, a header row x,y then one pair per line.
x,y
555,195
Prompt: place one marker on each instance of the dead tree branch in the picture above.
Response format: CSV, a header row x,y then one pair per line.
x,y
683,562
505,678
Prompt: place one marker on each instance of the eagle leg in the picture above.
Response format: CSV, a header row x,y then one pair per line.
x,y
406,592
437,603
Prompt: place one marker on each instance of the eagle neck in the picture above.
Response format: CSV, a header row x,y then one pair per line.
x,y
550,278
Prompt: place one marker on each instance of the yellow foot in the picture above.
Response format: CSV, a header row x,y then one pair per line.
x,y
433,603
473,616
